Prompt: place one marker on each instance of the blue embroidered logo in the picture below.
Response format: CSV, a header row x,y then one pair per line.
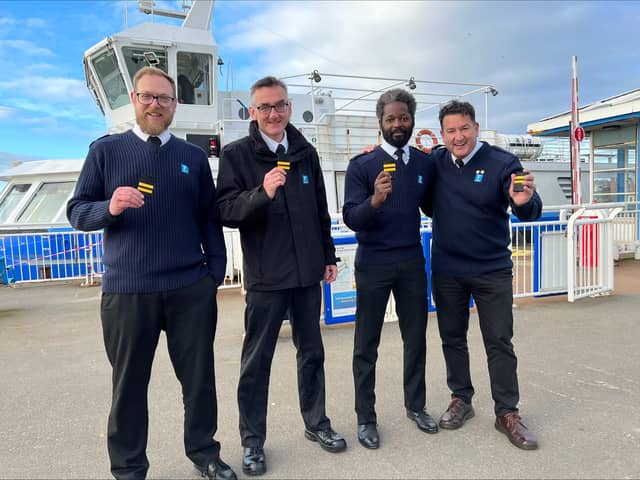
x,y
420,179
184,168
305,179
479,176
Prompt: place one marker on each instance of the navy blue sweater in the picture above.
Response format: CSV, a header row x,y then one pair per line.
x,y
173,240
390,233
470,220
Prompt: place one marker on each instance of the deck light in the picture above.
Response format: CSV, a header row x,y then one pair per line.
x,y
315,76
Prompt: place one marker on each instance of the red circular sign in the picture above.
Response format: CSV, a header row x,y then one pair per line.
x,y
578,133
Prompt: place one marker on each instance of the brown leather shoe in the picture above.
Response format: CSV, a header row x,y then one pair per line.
x,y
457,413
511,425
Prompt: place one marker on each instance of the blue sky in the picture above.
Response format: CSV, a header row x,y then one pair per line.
x,y
523,48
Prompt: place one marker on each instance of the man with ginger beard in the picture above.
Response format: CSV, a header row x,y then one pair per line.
x,y
383,192
164,256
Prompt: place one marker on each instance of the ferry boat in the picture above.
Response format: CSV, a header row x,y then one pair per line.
x,y
336,113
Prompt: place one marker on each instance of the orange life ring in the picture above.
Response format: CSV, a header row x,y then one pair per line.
x,y
434,140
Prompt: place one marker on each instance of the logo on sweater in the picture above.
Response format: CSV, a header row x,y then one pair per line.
x,y
479,176
184,168
420,179
305,179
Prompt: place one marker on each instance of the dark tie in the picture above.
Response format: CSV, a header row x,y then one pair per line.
x,y
399,153
459,163
280,150
155,141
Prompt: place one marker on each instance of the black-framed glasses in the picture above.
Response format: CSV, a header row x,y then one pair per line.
x,y
147,99
265,108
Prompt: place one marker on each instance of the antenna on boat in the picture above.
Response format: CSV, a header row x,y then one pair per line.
x,y
149,7
196,13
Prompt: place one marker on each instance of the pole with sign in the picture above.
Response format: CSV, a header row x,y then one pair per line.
x,y
577,135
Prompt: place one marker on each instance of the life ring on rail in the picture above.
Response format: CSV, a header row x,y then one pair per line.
x,y
434,140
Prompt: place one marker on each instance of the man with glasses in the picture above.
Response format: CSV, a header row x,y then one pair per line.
x,y
383,192
164,257
270,186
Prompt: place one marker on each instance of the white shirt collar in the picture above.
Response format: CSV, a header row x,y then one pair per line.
x,y
272,144
164,136
391,150
468,158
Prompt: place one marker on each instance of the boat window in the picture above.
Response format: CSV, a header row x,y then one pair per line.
x,y
11,199
194,78
614,173
111,79
138,57
48,204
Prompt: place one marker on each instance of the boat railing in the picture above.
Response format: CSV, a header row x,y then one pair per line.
x,y
66,254
337,137
569,251
38,256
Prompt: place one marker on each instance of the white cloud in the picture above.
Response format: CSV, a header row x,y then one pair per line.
x,y
39,68
6,112
7,158
29,23
35,22
54,90
32,22
35,112
523,48
24,46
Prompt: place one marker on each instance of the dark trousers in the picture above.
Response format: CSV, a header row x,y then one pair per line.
x,y
131,326
493,296
262,321
408,282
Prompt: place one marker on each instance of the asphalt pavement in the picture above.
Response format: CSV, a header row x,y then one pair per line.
x,y
578,369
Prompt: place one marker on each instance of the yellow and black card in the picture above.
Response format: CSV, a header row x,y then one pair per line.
x,y
145,185
389,167
284,164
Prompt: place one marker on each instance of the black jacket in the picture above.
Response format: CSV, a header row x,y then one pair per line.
x,y
286,242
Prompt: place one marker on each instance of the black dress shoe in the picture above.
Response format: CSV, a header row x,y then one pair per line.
x,y
423,420
253,461
368,435
328,439
215,470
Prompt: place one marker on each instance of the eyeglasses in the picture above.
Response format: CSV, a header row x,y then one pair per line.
x,y
147,99
265,108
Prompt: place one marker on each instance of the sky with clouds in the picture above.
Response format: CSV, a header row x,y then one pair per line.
x,y
523,48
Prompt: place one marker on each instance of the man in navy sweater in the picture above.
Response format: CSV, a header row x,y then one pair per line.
x,y
164,257
473,189
383,192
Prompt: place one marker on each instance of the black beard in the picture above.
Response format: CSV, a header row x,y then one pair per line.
x,y
397,142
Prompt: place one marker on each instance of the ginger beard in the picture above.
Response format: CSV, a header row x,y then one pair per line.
x,y
153,119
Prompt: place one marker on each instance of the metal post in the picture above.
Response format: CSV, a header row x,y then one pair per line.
x,y
486,109
575,144
313,112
